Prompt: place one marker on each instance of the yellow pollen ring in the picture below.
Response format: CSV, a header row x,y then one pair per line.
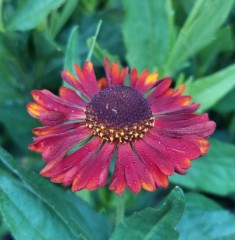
x,y
121,135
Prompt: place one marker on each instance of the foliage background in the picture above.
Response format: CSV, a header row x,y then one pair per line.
x,y
190,40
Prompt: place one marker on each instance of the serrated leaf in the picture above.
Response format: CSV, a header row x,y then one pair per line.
x,y
31,13
79,217
147,30
153,223
202,23
27,216
205,220
213,173
209,90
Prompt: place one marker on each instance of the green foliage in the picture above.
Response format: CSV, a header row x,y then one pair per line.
x,y
148,32
30,13
184,39
213,173
193,36
204,214
220,84
72,51
69,209
153,223
18,206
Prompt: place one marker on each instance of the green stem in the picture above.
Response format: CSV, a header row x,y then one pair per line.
x,y
120,208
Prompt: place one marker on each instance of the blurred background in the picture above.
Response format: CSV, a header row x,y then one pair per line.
x,y
191,41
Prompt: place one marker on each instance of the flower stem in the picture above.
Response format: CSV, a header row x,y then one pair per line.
x,y
120,212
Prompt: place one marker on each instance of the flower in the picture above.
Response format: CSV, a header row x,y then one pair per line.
x,y
149,128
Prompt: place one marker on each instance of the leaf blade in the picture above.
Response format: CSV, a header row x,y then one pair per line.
x,y
147,34
150,222
214,173
31,13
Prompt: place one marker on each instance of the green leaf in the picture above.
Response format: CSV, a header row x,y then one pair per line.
x,y
18,123
224,105
100,53
205,220
79,217
213,173
209,90
199,29
30,14
37,221
93,41
63,16
148,32
72,51
223,42
153,223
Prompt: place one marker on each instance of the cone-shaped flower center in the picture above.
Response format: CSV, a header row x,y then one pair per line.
x,y
119,114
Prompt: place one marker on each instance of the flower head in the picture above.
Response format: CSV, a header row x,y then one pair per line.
x,y
149,128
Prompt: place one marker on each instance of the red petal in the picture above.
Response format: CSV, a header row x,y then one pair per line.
x,y
180,151
94,172
153,157
72,81
51,118
113,73
107,71
146,81
130,171
71,96
60,128
184,125
102,83
87,78
146,155
51,102
133,77
57,145
175,110
161,88
52,169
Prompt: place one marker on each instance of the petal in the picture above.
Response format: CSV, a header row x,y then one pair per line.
x,y
131,171
144,82
74,160
114,75
69,95
160,89
184,124
87,78
72,81
51,102
102,83
60,128
160,179
94,172
175,110
180,151
51,118
153,157
165,100
55,146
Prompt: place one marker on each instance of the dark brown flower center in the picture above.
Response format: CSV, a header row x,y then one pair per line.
x,y
119,114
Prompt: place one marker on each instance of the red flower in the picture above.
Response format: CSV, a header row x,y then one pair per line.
x,y
151,135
